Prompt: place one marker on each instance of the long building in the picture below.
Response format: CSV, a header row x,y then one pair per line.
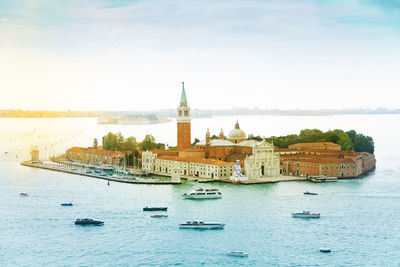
x,y
310,159
94,155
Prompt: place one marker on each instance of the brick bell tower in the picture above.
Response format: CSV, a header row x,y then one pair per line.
x,y
183,122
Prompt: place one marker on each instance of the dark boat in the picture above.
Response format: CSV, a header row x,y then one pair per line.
x,y
23,194
155,209
88,221
325,250
66,204
310,193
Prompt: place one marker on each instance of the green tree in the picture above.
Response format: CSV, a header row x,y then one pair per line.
x,y
110,141
195,141
253,137
95,143
213,137
148,143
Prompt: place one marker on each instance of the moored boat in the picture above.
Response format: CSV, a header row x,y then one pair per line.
x,y
323,179
236,253
88,221
198,224
310,193
200,193
306,214
155,209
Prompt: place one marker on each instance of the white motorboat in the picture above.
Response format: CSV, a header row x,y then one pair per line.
x,y
197,224
200,193
305,214
236,253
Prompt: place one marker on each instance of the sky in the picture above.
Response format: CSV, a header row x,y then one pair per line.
x,y
134,55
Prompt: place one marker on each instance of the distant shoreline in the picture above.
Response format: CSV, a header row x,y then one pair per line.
x,y
158,115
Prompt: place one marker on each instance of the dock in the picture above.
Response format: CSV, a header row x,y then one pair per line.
x,y
66,170
264,180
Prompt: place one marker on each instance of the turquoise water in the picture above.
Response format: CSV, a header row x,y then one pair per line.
x,y
359,218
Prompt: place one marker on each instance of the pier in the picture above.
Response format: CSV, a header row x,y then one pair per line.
x,y
109,178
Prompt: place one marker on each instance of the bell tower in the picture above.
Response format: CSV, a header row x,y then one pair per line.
x,y
183,122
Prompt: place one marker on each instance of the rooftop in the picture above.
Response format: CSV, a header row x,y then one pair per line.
x,y
196,160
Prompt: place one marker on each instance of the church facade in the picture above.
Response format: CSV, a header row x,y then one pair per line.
x,y
214,159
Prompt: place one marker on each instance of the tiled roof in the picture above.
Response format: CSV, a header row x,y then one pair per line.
x,y
322,160
90,150
196,160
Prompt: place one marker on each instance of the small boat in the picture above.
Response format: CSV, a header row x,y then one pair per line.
x,y
325,250
24,194
88,221
323,179
310,193
66,204
201,225
236,253
155,209
159,216
305,214
108,182
88,171
200,193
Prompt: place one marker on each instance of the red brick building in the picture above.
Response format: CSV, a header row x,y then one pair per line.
x,y
93,155
310,159
183,123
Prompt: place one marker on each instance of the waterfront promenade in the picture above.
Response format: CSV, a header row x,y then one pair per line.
x,y
109,178
65,169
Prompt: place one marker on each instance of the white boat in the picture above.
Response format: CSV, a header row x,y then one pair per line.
x,y
305,214
200,193
323,179
236,253
197,224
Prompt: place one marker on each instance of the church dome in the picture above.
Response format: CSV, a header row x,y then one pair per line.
x,y
237,133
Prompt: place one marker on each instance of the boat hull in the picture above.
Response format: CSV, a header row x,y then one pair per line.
x,y
306,216
155,209
237,254
201,197
205,227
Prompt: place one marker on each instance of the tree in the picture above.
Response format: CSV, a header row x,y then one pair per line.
x,y
95,143
213,137
195,141
110,142
253,137
148,143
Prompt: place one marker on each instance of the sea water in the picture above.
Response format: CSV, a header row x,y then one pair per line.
x,y
359,217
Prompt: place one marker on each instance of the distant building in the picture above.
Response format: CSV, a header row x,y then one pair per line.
x,y
35,154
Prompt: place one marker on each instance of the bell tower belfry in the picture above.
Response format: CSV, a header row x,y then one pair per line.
x,y
183,122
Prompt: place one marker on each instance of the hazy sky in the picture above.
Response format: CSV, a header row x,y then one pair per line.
x,y
130,55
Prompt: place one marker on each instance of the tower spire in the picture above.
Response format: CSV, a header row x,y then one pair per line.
x,y
183,95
